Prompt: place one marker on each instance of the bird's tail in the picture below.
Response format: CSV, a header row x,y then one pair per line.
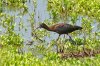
x,y
77,27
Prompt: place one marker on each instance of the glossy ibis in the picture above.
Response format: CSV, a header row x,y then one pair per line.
x,y
61,28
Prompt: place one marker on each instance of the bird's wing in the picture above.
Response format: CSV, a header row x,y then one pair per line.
x,y
63,28
54,27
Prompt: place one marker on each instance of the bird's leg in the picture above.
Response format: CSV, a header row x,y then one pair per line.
x,y
57,44
71,39
58,37
61,47
73,42
84,42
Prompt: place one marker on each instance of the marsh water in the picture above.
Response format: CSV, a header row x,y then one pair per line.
x,y
41,14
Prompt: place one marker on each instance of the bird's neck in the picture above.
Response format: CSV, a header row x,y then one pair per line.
x,y
47,28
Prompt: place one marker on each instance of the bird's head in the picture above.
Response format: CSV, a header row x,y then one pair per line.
x,y
42,25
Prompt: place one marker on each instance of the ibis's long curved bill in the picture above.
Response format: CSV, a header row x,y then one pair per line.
x,y
37,28
36,34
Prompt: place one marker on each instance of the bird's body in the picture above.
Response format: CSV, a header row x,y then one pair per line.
x,y
61,28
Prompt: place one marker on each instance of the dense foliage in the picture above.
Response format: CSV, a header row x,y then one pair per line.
x,y
9,56
63,9
86,12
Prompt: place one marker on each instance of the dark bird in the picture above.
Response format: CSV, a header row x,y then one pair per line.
x,y
61,28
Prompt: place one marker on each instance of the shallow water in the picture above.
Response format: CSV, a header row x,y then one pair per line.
x,y
41,14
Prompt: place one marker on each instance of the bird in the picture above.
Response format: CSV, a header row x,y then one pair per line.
x,y
61,28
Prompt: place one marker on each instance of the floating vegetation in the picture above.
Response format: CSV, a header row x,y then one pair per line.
x,y
20,43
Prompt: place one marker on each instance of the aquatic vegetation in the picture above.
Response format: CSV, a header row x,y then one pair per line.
x,y
9,56
16,28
